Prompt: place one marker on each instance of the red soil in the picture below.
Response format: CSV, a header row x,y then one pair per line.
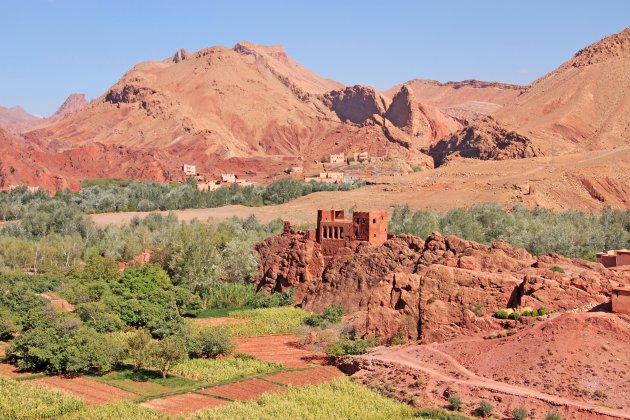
x,y
10,371
311,376
250,389
282,349
90,391
183,404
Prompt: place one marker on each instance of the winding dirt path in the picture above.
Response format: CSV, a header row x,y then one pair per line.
x,y
407,357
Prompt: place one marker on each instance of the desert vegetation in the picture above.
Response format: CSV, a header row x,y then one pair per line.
x,y
540,231
99,196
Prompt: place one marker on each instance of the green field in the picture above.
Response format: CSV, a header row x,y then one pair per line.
x,y
267,321
224,370
19,400
340,399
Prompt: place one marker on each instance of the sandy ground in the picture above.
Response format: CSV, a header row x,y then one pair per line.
x,y
549,365
282,349
250,389
90,391
10,371
556,184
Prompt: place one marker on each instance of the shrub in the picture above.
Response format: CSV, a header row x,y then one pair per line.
x,y
520,413
542,311
439,414
331,315
455,402
485,408
502,314
345,346
553,414
211,342
515,315
166,353
557,269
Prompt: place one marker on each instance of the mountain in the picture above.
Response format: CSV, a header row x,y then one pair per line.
x,y
17,120
467,100
582,105
247,108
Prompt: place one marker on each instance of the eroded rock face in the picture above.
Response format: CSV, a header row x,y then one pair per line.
x,y
429,290
355,104
486,140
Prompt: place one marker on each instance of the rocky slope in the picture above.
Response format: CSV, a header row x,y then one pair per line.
x,y
431,290
582,105
485,140
466,101
234,109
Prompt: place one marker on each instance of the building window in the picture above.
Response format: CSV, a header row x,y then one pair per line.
x,y
341,233
374,221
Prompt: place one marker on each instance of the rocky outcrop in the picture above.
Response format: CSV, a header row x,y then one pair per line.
x,y
75,102
485,140
355,104
180,56
429,290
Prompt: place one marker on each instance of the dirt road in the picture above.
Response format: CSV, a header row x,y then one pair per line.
x,y
457,373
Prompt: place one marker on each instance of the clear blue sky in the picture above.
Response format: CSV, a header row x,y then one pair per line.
x,y
50,48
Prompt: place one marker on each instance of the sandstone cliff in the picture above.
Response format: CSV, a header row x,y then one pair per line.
x,y
429,290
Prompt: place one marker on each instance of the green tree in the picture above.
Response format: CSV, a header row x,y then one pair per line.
x,y
167,353
139,344
520,413
211,342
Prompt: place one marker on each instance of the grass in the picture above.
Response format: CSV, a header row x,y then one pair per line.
x,y
20,400
220,312
340,399
224,370
118,411
439,414
267,321
145,382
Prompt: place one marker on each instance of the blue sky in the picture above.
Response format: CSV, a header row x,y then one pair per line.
x,y
51,48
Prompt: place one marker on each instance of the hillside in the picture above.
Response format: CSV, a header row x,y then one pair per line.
x,y
466,101
248,107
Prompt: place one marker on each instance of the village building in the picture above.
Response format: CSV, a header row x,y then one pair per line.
x,y
620,299
326,177
337,158
229,178
361,157
189,170
614,258
334,231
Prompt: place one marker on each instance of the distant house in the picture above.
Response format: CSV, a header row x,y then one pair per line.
x,y
229,178
338,158
207,186
189,170
614,258
361,157
326,177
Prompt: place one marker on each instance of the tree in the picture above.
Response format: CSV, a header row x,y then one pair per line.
x,y
139,344
211,342
167,353
553,414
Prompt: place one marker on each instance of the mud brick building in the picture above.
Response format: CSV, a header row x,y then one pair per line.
x,y
334,231
614,258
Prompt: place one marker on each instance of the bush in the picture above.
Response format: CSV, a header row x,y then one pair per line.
x,y
331,315
502,314
557,269
455,402
553,414
439,414
485,408
515,315
345,346
211,342
542,311
520,413
167,353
